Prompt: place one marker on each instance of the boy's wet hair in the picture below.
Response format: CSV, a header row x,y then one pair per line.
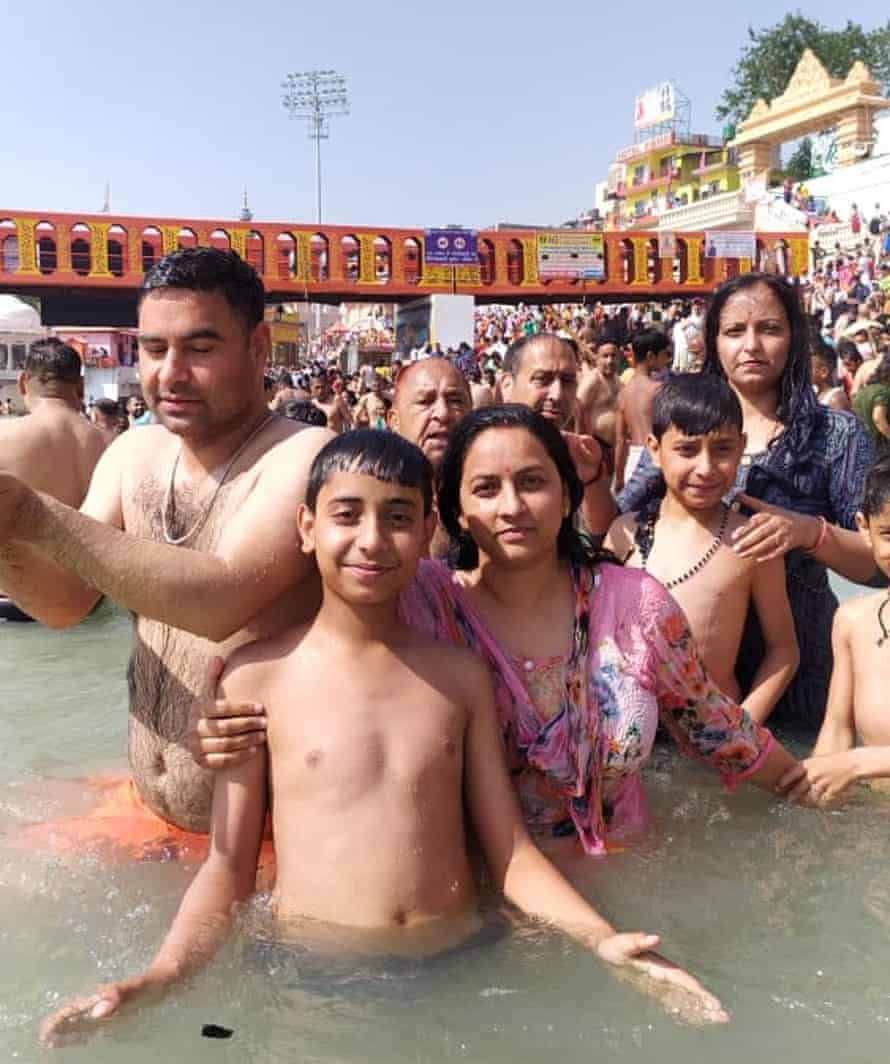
x,y
876,493
696,404
51,360
370,452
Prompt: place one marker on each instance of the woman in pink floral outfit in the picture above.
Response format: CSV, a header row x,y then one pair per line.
x,y
587,657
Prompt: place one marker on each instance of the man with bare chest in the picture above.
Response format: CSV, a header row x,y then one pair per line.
x,y
188,523
633,422
333,406
598,391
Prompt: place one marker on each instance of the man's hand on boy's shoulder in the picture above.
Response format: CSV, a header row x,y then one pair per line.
x,y
223,734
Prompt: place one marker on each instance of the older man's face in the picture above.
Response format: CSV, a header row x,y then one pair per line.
x,y
431,397
546,380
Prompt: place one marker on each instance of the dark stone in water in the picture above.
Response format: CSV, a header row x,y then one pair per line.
x,y
213,1030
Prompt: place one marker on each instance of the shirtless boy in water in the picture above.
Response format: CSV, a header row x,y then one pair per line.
x,y
857,698
633,420
697,441
376,736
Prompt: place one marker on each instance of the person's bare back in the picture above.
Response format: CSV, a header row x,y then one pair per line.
x,y
53,450
636,401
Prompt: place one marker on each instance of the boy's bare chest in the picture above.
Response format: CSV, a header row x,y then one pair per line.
x,y
337,739
871,680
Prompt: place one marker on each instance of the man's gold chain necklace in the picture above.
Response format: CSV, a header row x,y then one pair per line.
x,y
170,494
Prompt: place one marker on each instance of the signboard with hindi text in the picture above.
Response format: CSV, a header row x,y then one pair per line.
x,y
571,255
450,247
730,244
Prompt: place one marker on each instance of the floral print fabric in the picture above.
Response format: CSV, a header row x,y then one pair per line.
x,y
576,758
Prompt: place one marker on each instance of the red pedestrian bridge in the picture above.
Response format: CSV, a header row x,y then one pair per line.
x,y
87,268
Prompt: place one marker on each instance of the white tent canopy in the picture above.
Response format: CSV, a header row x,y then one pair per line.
x,y
19,317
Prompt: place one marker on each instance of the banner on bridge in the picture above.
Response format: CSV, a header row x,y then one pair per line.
x,y
450,247
571,256
730,244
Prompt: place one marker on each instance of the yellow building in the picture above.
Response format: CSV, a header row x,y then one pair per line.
x,y
665,171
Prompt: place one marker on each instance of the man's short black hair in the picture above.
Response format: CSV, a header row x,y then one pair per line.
x,y
648,342
306,411
696,404
211,270
51,360
372,452
876,493
513,356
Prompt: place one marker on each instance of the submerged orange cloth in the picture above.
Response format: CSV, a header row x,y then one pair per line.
x,y
122,826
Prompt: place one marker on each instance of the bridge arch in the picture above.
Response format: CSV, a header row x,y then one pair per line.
x,y
382,259
515,262
350,249
254,250
411,260
9,246
47,248
81,249
219,238
486,261
117,243
319,257
152,247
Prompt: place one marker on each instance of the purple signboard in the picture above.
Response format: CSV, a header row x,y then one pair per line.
x,y
450,247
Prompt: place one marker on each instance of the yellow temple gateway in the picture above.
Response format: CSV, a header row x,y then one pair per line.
x,y
813,101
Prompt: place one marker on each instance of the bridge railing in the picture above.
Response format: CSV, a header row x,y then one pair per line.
x,y
100,251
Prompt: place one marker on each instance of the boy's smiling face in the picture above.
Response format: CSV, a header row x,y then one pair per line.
x,y
698,470
367,535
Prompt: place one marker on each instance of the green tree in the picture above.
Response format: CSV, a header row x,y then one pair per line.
x,y
770,56
800,162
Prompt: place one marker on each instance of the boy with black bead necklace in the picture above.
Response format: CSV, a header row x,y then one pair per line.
x,y
684,539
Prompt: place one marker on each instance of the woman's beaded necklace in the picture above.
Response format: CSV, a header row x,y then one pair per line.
x,y
703,560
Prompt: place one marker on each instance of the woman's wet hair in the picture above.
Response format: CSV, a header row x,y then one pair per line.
x,y
211,270
370,452
876,492
464,554
794,385
695,404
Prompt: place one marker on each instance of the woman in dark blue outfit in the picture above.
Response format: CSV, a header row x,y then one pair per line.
x,y
801,475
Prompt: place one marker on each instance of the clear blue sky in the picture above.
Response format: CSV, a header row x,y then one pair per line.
x,y
461,112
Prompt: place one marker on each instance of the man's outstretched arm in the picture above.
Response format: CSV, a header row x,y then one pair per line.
x,y
212,595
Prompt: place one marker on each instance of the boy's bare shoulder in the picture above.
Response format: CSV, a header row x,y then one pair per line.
x,y
249,665
851,619
456,666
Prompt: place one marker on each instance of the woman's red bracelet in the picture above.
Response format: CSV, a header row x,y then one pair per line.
x,y
820,539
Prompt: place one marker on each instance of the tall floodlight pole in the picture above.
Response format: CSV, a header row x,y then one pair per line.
x,y
316,96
